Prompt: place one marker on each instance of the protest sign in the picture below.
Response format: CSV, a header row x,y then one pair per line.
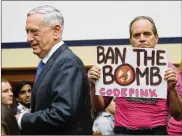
x,y
132,72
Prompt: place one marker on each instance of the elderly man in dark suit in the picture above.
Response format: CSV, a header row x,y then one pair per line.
x,y
60,96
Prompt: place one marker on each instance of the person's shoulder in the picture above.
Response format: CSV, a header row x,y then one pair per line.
x,y
103,119
106,114
71,56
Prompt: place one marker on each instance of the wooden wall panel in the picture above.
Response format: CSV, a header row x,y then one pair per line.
x,y
18,74
14,75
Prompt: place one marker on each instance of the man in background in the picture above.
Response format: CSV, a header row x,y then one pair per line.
x,y
136,117
22,93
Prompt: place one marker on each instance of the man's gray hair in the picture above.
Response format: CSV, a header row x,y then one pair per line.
x,y
154,29
51,15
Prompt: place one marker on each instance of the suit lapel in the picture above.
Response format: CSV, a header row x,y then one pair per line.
x,y
44,71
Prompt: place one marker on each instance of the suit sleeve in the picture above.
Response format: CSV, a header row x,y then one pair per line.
x,y
66,89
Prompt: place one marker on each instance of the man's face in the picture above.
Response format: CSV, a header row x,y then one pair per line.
x,y
25,94
6,94
142,35
40,37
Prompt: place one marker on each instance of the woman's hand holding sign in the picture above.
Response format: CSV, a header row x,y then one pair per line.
x,y
98,103
94,74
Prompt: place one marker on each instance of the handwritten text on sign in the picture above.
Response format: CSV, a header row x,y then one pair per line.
x,y
132,72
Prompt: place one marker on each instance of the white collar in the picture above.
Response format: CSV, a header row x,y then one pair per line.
x,y
53,49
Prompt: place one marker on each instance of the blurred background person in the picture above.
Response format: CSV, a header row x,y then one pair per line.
x,y
104,122
22,93
6,93
175,127
9,124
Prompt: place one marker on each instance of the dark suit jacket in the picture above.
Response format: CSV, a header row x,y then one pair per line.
x,y
60,97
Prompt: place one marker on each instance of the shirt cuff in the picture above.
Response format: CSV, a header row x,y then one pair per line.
x,y
19,120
